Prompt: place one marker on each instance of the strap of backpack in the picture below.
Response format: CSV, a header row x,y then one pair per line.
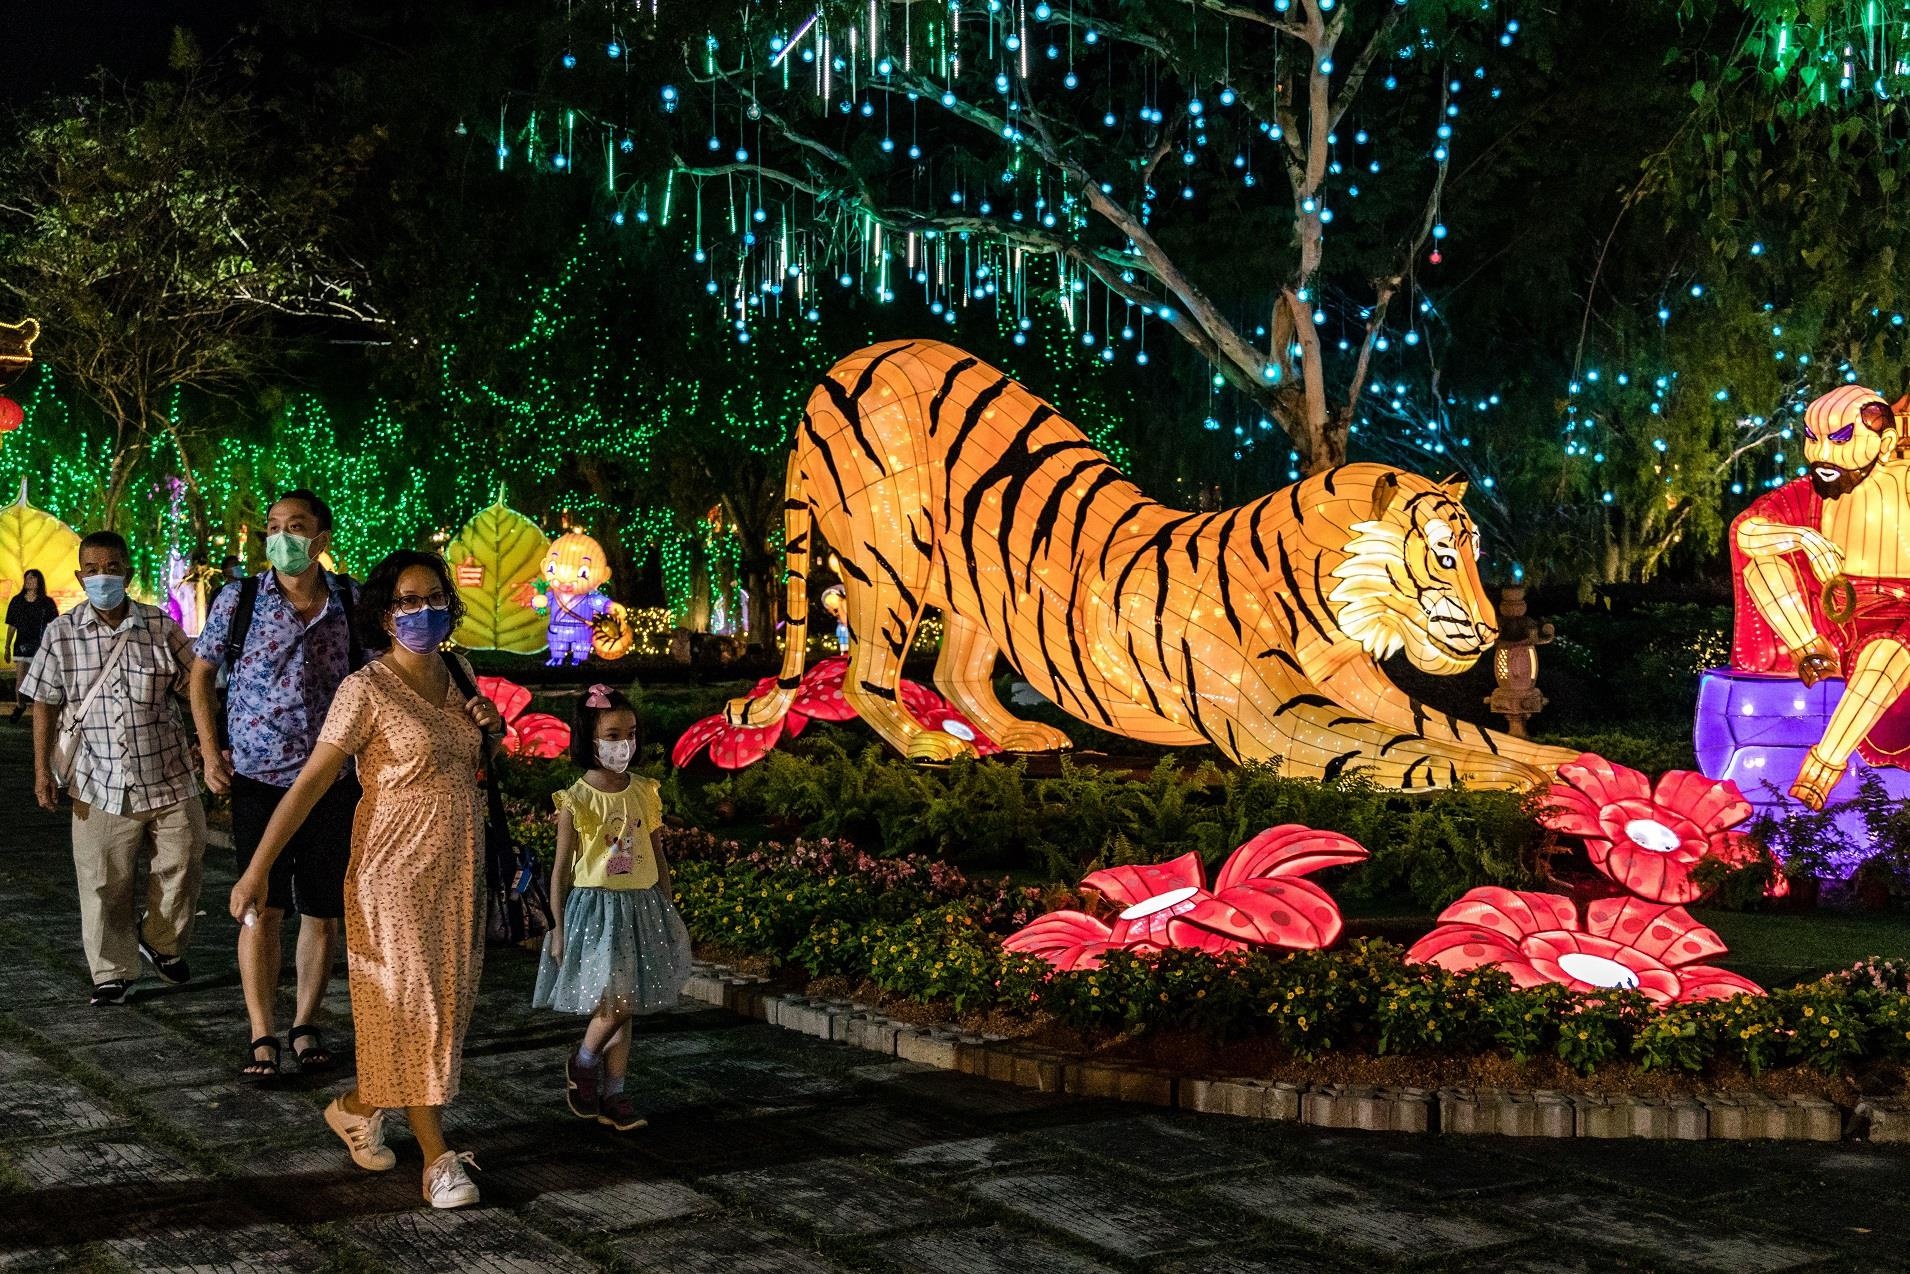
x,y
341,587
241,621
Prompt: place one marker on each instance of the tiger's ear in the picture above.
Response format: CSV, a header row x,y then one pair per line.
x,y
1455,486
1383,492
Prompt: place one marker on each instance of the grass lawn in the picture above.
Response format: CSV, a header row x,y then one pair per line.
x,y
1779,950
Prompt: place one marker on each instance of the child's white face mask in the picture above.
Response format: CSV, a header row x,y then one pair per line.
x,y
614,754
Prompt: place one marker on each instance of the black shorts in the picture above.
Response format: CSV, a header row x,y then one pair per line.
x,y
310,872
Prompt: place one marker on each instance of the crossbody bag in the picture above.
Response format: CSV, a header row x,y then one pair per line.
x,y
67,739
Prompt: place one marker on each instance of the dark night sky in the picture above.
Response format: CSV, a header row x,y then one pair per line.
x,y
56,45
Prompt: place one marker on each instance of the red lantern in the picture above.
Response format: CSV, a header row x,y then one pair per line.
x,y
11,417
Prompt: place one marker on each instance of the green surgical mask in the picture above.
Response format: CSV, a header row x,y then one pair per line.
x,y
289,553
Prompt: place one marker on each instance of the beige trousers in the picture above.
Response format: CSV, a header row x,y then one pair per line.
x,y
107,849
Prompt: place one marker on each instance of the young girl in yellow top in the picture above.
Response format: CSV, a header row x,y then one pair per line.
x,y
618,948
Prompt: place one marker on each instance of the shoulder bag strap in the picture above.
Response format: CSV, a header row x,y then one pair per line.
x,y
99,682
341,587
241,620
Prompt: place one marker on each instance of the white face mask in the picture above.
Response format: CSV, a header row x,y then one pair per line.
x,y
614,754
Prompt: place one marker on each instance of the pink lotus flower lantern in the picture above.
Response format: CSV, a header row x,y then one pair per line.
x,y
1625,943
1257,899
731,747
1649,840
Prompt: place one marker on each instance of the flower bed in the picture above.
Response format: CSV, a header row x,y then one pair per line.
x,y
920,931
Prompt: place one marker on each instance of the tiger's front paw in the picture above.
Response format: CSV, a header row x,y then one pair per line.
x,y
1032,736
936,745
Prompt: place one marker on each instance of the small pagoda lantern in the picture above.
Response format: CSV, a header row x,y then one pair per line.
x,y
1515,663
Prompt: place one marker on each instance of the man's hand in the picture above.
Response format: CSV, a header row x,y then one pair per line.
x,y
45,790
1826,559
218,769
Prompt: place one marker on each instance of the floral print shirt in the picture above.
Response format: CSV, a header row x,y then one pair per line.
x,y
279,693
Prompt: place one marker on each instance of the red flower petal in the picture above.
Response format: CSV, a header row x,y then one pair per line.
x,y
820,694
1714,805
1665,932
1708,982
1570,811
1605,782
1659,877
1275,913
941,716
511,699
1180,933
696,738
539,734
1511,913
740,745
1461,947
1287,850
1065,939
1132,885
793,723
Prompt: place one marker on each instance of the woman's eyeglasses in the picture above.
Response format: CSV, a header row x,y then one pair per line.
x,y
412,605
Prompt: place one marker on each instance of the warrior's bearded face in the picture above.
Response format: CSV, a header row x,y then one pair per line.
x,y
1847,433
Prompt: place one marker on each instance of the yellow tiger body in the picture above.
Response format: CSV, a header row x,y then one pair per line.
x,y
939,482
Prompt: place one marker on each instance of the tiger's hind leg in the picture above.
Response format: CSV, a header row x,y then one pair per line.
x,y
964,672
884,582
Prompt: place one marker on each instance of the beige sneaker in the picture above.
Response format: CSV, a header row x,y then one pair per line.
x,y
445,1185
363,1135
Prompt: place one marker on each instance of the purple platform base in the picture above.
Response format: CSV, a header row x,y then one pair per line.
x,y
1755,729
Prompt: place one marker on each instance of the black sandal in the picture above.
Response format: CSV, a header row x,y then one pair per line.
x,y
315,1058
257,1067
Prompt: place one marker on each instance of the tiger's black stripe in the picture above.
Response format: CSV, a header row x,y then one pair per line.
x,y
855,572
1146,683
1051,513
1293,586
925,547
1334,768
908,594
849,401
828,457
1253,533
1192,694
1107,545
1396,740
948,386
1074,651
880,692
1047,657
1304,701
970,418
1095,488
1220,567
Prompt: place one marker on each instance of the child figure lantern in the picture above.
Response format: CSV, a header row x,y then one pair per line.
x,y
574,571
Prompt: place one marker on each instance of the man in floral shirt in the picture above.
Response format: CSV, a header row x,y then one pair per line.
x,y
285,640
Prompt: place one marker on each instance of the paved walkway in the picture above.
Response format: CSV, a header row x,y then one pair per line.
x,y
127,1142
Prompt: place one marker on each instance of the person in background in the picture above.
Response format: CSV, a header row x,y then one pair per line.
x,y
121,665
285,640
414,902
618,947
29,611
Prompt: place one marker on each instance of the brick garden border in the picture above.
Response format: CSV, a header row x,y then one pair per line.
x,y
1725,1116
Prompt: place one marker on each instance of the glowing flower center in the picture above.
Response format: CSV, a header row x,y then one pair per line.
x,y
1597,970
1649,833
1162,902
959,730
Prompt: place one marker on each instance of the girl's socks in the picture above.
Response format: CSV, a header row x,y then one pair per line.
x,y
612,1085
585,1058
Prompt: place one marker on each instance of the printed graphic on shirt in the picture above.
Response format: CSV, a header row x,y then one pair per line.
x,y
617,837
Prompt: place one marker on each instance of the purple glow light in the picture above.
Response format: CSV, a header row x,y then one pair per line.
x,y
1755,729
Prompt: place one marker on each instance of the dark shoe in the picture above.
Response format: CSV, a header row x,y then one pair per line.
x,y
172,968
580,1088
257,1067
615,1110
314,1056
111,992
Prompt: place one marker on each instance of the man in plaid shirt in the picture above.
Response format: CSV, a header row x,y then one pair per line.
x,y
134,792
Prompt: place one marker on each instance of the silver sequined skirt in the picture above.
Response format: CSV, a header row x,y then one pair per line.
x,y
624,949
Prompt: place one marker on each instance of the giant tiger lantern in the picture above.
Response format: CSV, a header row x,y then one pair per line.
x,y
940,482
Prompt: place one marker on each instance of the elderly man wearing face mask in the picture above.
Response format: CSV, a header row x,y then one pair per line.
x,y
285,639
107,729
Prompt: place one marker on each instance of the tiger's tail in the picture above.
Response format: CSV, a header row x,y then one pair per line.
x,y
798,526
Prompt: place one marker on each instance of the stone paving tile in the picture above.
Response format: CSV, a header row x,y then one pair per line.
x,y
81,1191
601,1193
76,1022
20,1065
979,1097
1255,1261
49,1107
224,1238
960,1158
1447,1166
722,1246
836,1198
877,1129
1628,1225
157,1059
756,1083
80,1166
1111,1216
222,1115
318,1182
1341,1213
478,1240
1157,1147
986,1250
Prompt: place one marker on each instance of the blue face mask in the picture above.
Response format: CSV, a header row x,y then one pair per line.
x,y
106,592
423,632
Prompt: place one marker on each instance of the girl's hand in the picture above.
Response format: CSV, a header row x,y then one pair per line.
x,y
485,713
555,945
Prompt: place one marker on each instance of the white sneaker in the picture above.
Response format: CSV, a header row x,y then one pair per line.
x,y
363,1135
445,1185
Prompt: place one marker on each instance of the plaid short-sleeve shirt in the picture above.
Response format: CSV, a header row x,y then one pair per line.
x,y
134,755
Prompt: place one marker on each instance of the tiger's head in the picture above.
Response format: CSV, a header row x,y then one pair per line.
x,y
1410,580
